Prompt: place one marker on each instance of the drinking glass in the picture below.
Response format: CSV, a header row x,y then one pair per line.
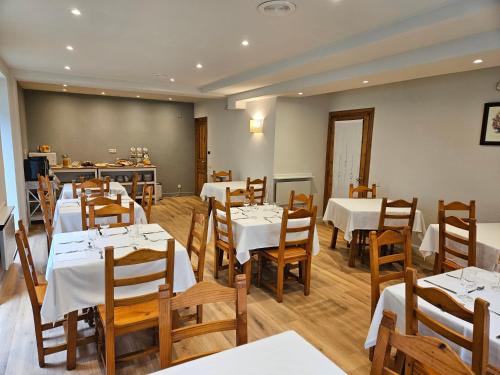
x,y
134,234
246,201
496,272
465,285
92,234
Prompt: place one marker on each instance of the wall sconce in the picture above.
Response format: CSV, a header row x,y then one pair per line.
x,y
256,126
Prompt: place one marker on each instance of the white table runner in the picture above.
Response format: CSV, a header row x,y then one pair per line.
x,y
114,188
75,272
487,243
393,299
259,227
218,189
68,215
350,214
285,353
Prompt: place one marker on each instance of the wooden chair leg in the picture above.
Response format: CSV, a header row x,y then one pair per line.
x,y
39,340
301,272
353,249
216,262
436,263
71,340
280,282
110,351
199,314
247,267
307,281
231,269
259,270
333,243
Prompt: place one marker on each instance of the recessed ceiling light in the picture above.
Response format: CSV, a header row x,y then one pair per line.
x,y
199,66
300,93
103,93
76,12
172,79
276,7
169,98
137,96
365,81
69,48
477,61
67,67
65,85
245,43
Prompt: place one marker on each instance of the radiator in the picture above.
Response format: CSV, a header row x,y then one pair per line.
x,y
7,239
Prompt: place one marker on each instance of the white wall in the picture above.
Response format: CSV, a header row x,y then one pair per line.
x,y
426,140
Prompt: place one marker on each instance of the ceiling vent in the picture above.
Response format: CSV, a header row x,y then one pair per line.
x,y
276,8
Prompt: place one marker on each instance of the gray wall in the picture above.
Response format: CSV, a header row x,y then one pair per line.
x,y
86,126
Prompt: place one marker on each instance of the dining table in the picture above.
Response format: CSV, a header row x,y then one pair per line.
x,y
352,215
484,286
68,214
75,270
284,353
114,188
487,243
218,189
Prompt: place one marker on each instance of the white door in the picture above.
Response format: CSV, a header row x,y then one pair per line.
x,y
346,156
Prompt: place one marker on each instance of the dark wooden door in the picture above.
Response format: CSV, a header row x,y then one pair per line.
x,y
200,125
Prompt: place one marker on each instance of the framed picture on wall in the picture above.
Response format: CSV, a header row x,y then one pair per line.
x,y
490,131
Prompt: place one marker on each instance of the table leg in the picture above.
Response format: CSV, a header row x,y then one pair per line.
x,y
274,191
247,268
333,242
353,249
71,332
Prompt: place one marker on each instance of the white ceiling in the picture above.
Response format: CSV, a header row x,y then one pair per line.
x,y
119,44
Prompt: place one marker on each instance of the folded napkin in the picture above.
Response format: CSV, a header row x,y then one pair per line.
x,y
114,231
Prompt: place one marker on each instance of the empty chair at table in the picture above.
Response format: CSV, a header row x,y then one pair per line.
x,y
478,344
45,185
115,211
97,201
461,247
259,189
105,181
401,216
238,197
300,200
147,200
199,294
48,222
295,247
423,355
94,188
222,176
362,191
134,187
120,316
36,293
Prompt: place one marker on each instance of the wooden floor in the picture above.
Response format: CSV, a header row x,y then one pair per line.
x,y
334,317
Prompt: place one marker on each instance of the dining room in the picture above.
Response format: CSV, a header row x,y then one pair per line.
x,y
276,187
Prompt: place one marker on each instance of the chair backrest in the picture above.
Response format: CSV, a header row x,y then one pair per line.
x,y
47,217
297,201
403,219
28,272
302,234
421,352
236,198
45,185
111,210
134,186
95,185
197,241
362,191
97,201
453,244
137,257
259,189
384,239
480,319
147,200
222,176
105,181
24,237
223,227
470,208
200,294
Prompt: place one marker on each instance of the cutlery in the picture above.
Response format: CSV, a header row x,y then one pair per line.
x,y
442,287
71,251
455,277
114,234
479,288
65,243
157,240
161,231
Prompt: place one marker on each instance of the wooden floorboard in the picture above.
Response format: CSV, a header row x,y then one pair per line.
x,y
334,318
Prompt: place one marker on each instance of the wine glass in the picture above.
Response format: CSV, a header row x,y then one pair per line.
x,y
496,271
92,236
246,201
134,234
466,284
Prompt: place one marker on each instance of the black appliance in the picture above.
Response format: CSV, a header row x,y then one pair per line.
x,y
34,166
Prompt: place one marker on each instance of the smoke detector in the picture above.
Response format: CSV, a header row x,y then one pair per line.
x,y
276,8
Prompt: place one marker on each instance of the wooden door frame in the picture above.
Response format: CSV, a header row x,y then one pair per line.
x,y
365,114
196,152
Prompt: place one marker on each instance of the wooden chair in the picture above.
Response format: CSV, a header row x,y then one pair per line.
x,y
448,240
407,217
388,237
222,176
47,218
106,181
223,239
237,197
36,293
362,191
111,210
297,201
97,201
96,186
201,293
298,251
119,316
147,200
48,192
421,352
134,187
259,189
480,319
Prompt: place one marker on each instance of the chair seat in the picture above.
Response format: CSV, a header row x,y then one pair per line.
x,y
291,253
143,314
40,292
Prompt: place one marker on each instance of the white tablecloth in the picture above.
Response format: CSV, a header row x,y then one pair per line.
x,y
76,279
393,299
260,227
218,189
350,214
285,353
68,215
487,243
114,188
